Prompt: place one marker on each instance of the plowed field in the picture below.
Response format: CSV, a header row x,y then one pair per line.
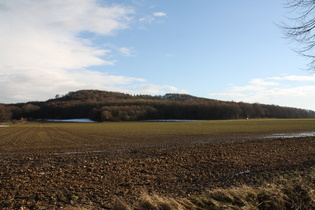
x,y
54,165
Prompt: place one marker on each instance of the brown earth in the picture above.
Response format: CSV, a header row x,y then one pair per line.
x,y
43,179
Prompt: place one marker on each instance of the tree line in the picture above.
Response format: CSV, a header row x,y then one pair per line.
x,y
112,106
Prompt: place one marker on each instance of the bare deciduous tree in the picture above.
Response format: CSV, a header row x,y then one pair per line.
x,y
302,31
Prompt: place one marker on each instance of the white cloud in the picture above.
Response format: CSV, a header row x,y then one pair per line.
x,y
255,85
125,51
31,84
45,50
147,19
152,18
174,89
154,89
42,53
295,78
228,95
293,94
159,14
262,82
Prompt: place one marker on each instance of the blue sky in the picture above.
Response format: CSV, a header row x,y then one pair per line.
x,y
226,50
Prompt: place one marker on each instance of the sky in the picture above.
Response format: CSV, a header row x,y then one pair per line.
x,y
220,49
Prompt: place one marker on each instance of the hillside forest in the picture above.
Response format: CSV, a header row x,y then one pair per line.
x,y
113,106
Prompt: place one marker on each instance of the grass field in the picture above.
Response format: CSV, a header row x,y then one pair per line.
x,y
63,135
107,165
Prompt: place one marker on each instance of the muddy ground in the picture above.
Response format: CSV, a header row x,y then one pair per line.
x,y
95,178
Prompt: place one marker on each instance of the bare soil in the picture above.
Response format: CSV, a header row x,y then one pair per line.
x,y
96,177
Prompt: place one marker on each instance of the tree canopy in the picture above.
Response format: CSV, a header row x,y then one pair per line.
x,y
112,106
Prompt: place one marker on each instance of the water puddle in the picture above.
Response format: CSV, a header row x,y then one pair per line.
x,y
205,141
291,135
242,172
85,152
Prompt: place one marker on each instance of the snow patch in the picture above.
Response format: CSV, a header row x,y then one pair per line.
x,y
71,120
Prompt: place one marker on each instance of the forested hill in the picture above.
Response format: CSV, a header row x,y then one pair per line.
x,y
112,106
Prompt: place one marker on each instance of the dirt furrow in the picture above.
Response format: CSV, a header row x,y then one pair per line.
x,y
53,180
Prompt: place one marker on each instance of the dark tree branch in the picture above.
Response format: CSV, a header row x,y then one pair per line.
x,y
303,30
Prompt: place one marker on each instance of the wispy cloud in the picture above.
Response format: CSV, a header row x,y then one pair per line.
x,y
153,18
125,51
274,90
